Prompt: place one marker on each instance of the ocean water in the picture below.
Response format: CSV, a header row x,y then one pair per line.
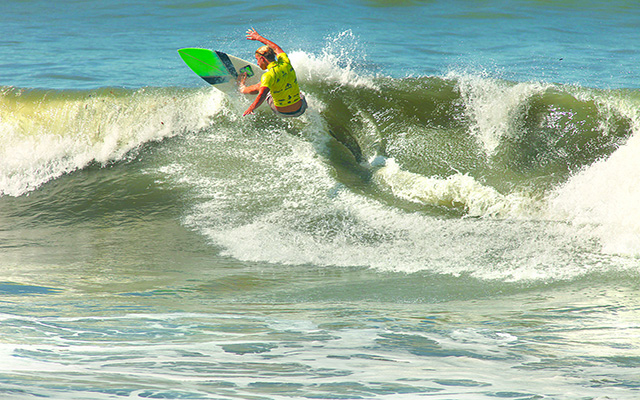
x,y
456,216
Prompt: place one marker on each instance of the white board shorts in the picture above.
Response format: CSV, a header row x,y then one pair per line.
x,y
294,114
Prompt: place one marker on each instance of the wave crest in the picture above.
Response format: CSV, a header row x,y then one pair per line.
x,y
45,134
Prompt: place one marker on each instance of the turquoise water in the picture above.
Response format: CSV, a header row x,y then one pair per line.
x,y
455,217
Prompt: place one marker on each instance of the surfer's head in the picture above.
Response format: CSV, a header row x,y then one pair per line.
x,y
267,53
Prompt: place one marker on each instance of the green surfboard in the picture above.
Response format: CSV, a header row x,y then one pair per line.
x,y
219,69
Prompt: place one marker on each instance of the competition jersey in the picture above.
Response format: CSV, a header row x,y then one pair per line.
x,y
281,80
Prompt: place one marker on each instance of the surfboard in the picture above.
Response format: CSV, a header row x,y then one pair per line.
x,y
220,69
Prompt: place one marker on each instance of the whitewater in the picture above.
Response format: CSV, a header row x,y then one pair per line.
x,y
47,134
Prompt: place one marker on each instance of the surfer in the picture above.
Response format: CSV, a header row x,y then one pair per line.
x,y
278,85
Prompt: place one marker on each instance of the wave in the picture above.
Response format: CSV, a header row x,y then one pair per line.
x,y
452,146
438,125
45,134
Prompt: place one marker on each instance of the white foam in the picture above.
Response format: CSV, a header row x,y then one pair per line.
x,y
351,230
281,204
604,200
42,140
459,190
494,106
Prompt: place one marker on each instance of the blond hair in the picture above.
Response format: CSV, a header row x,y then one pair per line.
x,y
267,52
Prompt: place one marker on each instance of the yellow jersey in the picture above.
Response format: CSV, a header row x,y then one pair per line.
x,y
282,82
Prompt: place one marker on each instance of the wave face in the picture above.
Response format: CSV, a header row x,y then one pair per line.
x,y
381,172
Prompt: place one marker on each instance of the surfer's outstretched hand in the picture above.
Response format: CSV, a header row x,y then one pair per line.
x,y
253,35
